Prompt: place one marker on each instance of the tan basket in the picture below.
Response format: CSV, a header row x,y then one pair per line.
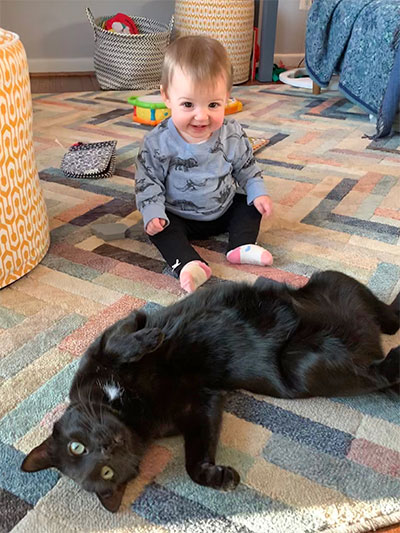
x,y
229,22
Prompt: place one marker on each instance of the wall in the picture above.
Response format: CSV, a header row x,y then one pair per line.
x,y
290,33
57,35
58,38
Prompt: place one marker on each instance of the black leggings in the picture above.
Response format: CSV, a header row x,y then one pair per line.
x,y
241,221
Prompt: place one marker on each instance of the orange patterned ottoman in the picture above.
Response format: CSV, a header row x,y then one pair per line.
x,y
24,229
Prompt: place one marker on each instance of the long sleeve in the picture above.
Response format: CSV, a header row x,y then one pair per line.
x,y
151,172
245,169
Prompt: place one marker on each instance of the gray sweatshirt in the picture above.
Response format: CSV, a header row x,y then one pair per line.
x,y
195,181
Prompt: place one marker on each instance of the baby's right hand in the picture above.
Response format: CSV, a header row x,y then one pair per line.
x,y
155,226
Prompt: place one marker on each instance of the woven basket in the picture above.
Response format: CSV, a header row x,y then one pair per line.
x,y
124,61
229,22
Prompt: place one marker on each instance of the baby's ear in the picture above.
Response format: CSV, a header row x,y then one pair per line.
x,y
39,458
164,96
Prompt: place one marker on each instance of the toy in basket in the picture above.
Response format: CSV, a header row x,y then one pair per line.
x,y
150,109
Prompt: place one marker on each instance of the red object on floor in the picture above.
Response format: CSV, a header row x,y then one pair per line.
x,y
256,54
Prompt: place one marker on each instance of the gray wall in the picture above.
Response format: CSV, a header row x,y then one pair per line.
x,y
57,36
290,30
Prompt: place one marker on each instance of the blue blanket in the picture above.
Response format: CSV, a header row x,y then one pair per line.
x,y
357,39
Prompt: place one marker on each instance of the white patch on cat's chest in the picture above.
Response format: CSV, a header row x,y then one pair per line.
x,y
113,390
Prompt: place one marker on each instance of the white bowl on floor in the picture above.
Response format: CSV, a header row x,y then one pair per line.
x,y
296,77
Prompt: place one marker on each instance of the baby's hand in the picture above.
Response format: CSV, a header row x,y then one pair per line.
x,y
155,226
263,204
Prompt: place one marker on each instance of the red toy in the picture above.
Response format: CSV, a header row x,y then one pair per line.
x,y
121,23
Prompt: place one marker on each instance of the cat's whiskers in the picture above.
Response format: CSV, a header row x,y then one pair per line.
x,y
94,415
87,408
93,412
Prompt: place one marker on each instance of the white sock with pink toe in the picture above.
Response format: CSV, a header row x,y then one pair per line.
x,y
193,275
250,254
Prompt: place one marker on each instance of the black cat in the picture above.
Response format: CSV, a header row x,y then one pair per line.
x,y
154,375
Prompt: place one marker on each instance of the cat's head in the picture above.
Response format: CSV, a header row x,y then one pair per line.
x,y
93,447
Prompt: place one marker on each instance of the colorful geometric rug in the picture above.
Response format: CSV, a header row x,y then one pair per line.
x,y
306,466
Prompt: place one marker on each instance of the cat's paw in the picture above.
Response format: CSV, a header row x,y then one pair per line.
x,y
215,476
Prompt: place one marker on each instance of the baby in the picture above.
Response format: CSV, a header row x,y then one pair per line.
x,y
196,174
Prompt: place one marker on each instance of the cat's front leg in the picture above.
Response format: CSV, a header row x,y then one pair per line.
x,y
200,427
125,342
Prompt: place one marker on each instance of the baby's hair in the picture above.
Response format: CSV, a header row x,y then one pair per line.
x,y
202,58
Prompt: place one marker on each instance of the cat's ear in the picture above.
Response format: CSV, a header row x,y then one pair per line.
x,y
39,458
148,340
132,347
112,500
133,322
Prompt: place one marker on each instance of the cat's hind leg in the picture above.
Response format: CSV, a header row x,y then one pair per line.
x,y
338,286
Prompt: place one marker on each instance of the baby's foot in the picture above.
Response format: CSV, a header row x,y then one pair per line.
x,y
250,254
193,275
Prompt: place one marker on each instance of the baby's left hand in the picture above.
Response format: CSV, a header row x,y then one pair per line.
x,y
263,204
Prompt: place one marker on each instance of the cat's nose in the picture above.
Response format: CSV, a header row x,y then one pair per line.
x,y
106,451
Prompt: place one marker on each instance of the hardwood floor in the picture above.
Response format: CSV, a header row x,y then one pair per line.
x,y
86,81
64,82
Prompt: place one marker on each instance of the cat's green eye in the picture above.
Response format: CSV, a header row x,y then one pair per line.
x,y
76,448
107,472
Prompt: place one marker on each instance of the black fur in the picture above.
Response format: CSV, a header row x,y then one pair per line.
x,y
172,368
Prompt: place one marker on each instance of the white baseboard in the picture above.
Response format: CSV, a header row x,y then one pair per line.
x,y
85,64
77,64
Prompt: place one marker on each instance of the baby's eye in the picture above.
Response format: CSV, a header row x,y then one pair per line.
x,y
107,472
214,105
77,448
187,105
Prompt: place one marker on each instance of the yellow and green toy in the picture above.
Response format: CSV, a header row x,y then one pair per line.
x,y
150,109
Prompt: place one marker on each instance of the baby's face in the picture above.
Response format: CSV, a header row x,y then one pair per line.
x,y
197,111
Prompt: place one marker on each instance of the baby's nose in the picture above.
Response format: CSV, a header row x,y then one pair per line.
x,y
201,113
